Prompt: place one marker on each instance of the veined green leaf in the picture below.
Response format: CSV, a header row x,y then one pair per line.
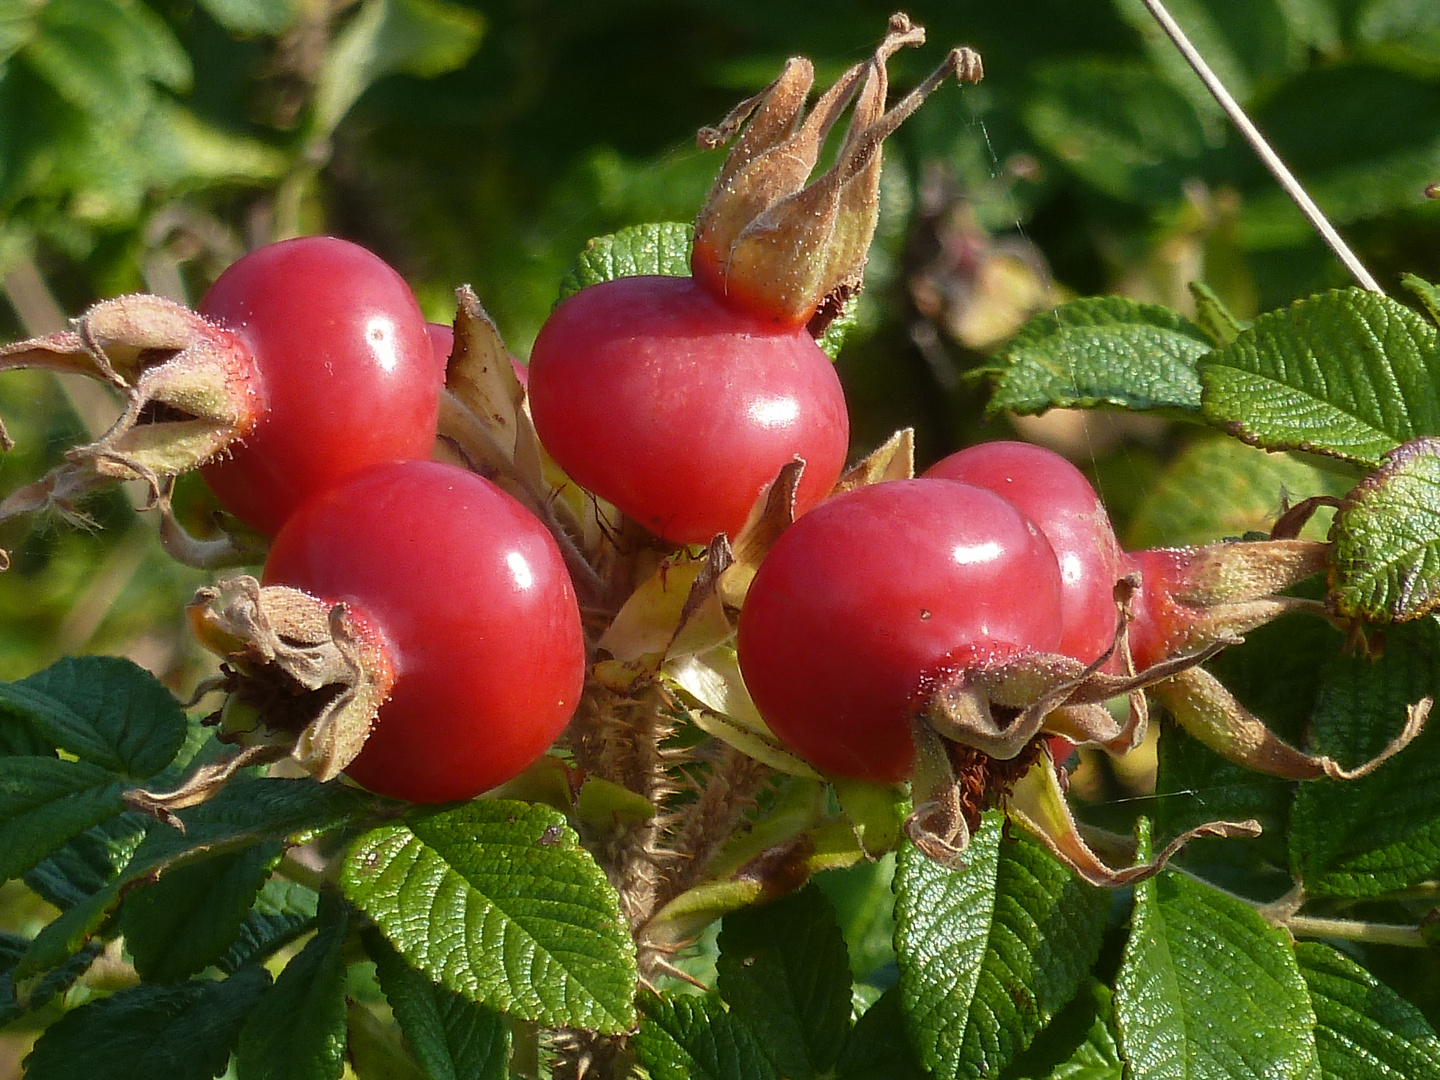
x,y
88,862
656,248
178,926
453,1039
45,802
104,710
1347,373
1101,351
878,1047
1382,832
990,952
1385,545
785,973
1364,1030
497,901
282,911
1207,990
183,1032
297,1031
683,1037
12,948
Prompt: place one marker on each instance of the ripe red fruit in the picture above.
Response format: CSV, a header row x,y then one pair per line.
x,y
1054,494
347,374
472,600
877,594
680,411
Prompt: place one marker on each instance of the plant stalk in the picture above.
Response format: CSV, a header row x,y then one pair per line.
x,y
1283,176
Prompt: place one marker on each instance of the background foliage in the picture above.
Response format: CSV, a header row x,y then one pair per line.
x,y
144,145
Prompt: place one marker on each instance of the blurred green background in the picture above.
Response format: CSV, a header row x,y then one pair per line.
x,y
143,146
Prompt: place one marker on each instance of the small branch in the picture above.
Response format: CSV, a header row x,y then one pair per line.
x,y
1257,142
1312,926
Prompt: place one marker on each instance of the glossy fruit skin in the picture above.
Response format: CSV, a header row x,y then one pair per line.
x,y
875,595
347,373
1160,626
472,598
1055,495
680,411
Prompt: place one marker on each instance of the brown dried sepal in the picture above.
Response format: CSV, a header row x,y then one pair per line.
x,y
189,389
305,674
765,240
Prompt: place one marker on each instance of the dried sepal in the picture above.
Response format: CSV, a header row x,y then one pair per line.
x,y
227,549
1037,803
892,460
189,389
674,612
310,675
773,244
1209,712
772,514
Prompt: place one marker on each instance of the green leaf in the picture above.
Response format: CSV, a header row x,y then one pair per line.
x,y
1364,1030
12,948
1382,832
281,913
44,802
497,901
1079,1044
693,1038
784,972
1427,293
297,1031
990,952
87,863
104,710
656,248
246,811
1116,125
417,37
269,17
878,1048
452,1038
1207,990
1348,373
1245,490
1385,550
178,926
1212,316
864,904
183,1032
1101,351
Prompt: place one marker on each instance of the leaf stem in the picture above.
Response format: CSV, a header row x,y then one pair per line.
x,y
1372,933
1257,142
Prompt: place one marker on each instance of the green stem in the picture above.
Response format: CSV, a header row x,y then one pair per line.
x,y
1372,933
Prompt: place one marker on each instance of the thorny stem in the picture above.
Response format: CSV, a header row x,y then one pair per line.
x,y
1262,148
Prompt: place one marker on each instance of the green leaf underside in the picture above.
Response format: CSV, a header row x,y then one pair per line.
x,y
282,911
990,952
1245,489
878,1048
452,1038
694,1038
1382,832
661,248
106,711
1101,351
784,971
180,925
1364,1030
12,948
1348,373
1208,991
83,866
1426,292
45,802
497,901
297,1031
1385,554
246,811
183,1032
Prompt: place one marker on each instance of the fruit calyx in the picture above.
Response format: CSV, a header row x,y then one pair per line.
x,y
768,243
190,389
316,671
